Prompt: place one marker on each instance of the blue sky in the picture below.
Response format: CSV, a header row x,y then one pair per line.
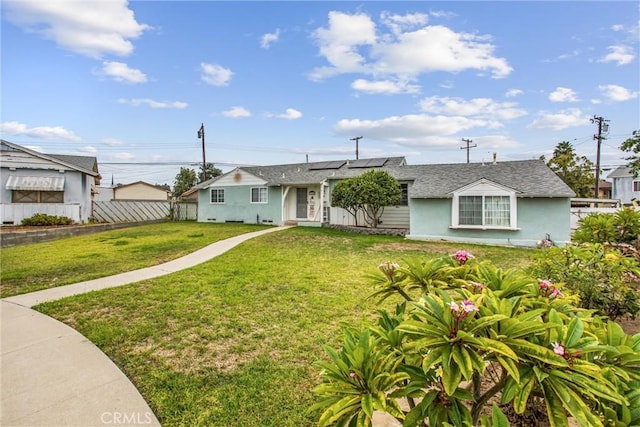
x,y
280,82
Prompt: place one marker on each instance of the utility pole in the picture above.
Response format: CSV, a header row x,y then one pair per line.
x,y
356,139
204,160
467,147
602,127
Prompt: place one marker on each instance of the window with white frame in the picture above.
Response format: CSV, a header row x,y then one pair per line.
x,y
484,206
217,195
259,195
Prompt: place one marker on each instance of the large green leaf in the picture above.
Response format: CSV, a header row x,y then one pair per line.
x,y
574,332
526,349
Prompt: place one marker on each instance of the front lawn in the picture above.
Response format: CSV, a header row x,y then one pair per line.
x,y
37,266
231,342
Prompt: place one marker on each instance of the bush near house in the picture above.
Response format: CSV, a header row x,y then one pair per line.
x,y
46,220
468,333
620,227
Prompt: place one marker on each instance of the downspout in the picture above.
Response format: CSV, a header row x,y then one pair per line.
x,y
323,183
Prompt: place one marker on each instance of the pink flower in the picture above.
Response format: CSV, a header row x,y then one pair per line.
x,y
454,307
468,306
388,268
556,293
545,284
558,349
353,375
462,256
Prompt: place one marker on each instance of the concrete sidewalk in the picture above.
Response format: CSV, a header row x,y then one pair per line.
x,y
51,375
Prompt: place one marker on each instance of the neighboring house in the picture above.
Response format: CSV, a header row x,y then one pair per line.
x,y
141,190
54,184
514,203
624,186
103,194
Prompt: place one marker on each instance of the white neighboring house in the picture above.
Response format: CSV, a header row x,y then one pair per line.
x,y
53,184
624,186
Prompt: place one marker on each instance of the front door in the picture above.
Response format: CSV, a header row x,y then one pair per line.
x,y
301,203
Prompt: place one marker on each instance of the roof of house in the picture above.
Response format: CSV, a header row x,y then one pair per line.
x,y
85,164
157,187
621,172
529,178
307,173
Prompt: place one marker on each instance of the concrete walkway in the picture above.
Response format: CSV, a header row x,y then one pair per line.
x,y
51,375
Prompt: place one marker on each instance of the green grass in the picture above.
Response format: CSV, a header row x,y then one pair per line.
x,y
232,342
45,265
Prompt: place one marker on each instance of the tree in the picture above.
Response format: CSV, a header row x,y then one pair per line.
x,y
368,193
574,170
632,145
212,172
345,195
185,179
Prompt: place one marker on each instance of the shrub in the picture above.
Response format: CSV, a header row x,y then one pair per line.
x,y
45,220
604,278
621,227
468,333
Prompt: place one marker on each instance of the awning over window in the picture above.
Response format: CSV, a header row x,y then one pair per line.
x,y
35,183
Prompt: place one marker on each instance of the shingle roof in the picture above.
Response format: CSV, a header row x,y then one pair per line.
x,y
83,162
621,172
86,164
529,178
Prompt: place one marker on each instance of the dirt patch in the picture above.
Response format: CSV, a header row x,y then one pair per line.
x,y
630,326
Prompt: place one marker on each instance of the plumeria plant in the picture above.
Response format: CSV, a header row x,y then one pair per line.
x,y
471,344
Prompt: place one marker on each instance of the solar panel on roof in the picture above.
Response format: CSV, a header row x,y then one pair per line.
x,y
335,164
368,163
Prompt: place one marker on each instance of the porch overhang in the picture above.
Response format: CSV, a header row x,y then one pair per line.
x,y
35,183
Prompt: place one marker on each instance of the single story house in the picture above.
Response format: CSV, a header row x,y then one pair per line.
x,y
141,190
624,186
53,184
509,203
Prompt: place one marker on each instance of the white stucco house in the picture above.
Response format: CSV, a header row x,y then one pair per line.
x,y
624,186
53,184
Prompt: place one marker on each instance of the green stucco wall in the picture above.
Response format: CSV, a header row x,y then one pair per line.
x,y
430,219
237,207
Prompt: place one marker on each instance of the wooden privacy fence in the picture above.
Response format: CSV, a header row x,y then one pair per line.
x,y
119,211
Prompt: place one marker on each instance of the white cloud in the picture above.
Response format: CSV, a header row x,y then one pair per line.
x,y
339,42
121,72
511,93
619,54
386,87
112,142
563,94
90,28
215,75
416,129
400,23
123,156
88,149
617,93
572,117
153,104
403,53
267,39
41,132
479,107
290,114
236,112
